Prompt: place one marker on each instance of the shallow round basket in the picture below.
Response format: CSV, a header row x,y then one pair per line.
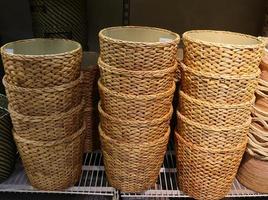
x,y
137,82
138,48
212,136
205,173
211,114
135,107
39,63
133,131
220,89
222,52
52,165
132,167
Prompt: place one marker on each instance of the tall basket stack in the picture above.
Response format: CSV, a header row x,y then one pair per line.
x,y
137,68
43,88
220,73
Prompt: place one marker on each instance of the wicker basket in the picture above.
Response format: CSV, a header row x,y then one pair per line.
x,y
47,128
137,82
132,167
43,101
212,136
132,131
214,114
221,52
220,89
135,107
52,165
138,48
205,173
39,63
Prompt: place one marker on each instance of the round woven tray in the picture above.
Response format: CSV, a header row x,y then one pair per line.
x,y
39,63
220,89
138,48
132,167
133,131
135,107
222,52
205,173
52,165
212,114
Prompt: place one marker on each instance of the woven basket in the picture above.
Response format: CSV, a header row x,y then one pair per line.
x,y
205,173
214,114
39,63
52,165
137,82
212,136
132,167
47,128
138,48
135,107
43,101
133,131
220,89
221,52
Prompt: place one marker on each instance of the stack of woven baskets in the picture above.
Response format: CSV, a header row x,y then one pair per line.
x,y
219,76
43,88
137,66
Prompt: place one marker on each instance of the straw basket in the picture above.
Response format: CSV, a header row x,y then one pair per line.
x,y
138,48
220,89
52,165
133,131
135,107
132,167
39,63
221,52
205,173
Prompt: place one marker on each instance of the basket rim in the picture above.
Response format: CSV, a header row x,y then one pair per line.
x,y
176,40
186,36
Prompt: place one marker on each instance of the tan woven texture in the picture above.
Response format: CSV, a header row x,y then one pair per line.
x,y
133,167
138,48
52,165
222,52
205,173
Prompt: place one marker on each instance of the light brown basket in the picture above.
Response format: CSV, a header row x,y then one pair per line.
x,y
221,52
133,131
38,63
138,48
137,82
205,173
52,165
132,167
220,89
212,136
47,128
43,101
135,107
214,114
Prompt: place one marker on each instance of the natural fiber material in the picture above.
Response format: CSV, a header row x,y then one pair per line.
x,y
133,131
212,136
212,114
222,52
135,107
39,63
138,48
52,165
220,89
47,128
132,167
43,101
137,82
205,173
